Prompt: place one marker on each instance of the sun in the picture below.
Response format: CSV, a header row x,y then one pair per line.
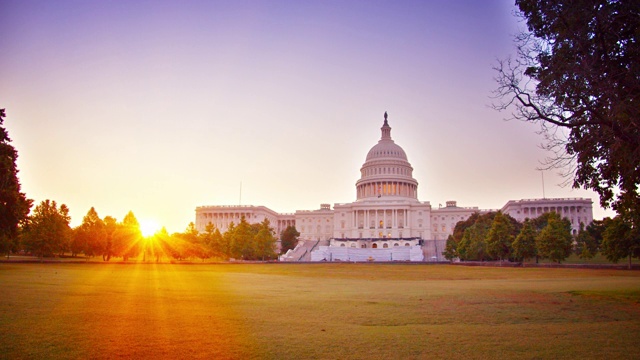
x,y
149,227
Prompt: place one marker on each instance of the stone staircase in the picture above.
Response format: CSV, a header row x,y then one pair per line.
x,y
432,250
302,251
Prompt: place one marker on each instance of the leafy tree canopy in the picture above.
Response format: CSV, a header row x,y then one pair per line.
x,y
288,239
524,245
577,69
14,205
554,241
500,237
620,240
47,230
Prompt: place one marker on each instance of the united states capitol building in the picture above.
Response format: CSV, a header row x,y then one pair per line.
x,y
386,222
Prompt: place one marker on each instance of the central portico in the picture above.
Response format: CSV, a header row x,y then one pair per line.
x,y
386,213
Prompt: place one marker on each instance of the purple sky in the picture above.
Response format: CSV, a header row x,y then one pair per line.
x,y
158,107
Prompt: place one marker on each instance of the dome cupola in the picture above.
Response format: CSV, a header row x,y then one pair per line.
x,y
386,171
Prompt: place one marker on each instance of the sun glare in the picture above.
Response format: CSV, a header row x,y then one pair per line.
x,y
149,227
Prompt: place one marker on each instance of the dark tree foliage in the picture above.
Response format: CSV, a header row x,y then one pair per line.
x,y
554,242
620,240
524,245
451,249
473,245
264,242
110,227
596,229
541,221
288,239
213,240
90,237
461,226
47,230
500,237
578,70
586,246
249,241
14,205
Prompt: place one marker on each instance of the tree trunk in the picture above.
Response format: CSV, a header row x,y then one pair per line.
x,y
629,261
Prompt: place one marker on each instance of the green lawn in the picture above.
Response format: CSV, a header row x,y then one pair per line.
x,y
331,311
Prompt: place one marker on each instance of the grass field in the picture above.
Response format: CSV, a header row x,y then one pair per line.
x,y
330,311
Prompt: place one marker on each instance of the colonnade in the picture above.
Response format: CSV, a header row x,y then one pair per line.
x,y
381,188
381,219
564,211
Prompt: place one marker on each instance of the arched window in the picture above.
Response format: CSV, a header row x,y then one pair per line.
x,y
385,245
407,244
342,245
396,244
375,246
364,246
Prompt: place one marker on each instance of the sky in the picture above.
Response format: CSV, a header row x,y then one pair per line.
x,y
157,107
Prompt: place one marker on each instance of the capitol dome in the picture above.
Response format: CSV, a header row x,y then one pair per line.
x,y
386,148
386,172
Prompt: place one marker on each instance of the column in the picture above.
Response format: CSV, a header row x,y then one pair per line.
x,y
384,220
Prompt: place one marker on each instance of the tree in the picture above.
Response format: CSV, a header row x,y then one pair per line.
x,y
47,230
596,229
264,242
524,246
228,241
14,205
554,241
189,244
577,71
243,237
126,238
213,240
110,227
91,236
161,244
473,244
500,237
288,239
620,241
586,245
451,249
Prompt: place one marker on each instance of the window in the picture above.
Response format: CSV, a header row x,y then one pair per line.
x,y
385,245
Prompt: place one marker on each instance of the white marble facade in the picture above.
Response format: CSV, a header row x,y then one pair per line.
x,y
387,212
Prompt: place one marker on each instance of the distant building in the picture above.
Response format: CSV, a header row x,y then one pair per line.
x,y
577,210
387,221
